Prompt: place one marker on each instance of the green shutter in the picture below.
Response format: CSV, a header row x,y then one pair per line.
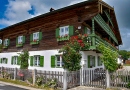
x,y
52,61
89,61
8,42
31,60
16,40
57,32
98,61
18,61
23,39
41,61
1,60
85,30
94,61
40,35
31,37
6,61
71,30
12,60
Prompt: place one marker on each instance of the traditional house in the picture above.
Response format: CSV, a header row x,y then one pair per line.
x,y
45,34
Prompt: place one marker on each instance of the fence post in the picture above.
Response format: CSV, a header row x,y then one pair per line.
x,y
65,80
107,79
15,73
81,81
34,73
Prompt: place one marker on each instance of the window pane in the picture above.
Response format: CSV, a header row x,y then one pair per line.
x,y
58,64
62,32
38,36
58,58
88,31
39,62
36,62
67,30
21,39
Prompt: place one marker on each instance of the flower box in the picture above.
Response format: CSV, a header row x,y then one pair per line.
x,y
19,45
34,42
63,38
5,47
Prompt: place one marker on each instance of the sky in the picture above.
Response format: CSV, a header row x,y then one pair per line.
x,y
14,11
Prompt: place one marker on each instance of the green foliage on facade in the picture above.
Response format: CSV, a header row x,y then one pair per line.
x,y
71,52
109,57
23,57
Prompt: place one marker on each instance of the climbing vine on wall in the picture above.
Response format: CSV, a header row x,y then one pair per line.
x,y
109,57
23,57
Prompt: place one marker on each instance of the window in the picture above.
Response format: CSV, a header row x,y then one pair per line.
x,y
20,39
15,60
64,31
99,61
91,61
88,31
59,62
6,42
4,60
37,60
36,36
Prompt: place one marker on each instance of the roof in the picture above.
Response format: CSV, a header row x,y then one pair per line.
x,y
46,14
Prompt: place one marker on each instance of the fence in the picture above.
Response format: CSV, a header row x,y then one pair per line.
x,y
119,79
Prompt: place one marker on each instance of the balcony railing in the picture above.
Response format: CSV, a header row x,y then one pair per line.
x,y
105,26
95,40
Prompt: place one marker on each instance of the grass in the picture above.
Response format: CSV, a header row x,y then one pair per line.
x,y
126,65
25,84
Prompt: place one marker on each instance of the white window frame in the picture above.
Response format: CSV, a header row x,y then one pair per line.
x,y
4,60
15,59
92,61
38,60
6,42
59,61
64,33
37,36
20,40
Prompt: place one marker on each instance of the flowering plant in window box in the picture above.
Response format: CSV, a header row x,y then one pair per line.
x,y
19,44
35,41
60,38
4,46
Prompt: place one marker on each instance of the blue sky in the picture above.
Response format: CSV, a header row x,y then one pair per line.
x,y
14,11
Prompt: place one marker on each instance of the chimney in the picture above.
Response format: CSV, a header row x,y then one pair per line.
x,y
52,9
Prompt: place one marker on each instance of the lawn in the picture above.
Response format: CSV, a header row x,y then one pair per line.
x,y
126,65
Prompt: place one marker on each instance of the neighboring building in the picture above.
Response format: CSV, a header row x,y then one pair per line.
x,y
40,36
128,58
120,60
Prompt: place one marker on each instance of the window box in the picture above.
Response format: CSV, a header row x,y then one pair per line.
x,y
34,42
63,38
4,46
19,45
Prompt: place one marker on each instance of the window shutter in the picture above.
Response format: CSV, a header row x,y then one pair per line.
x,y
89,61
98,61
52,61
71,30
12,60
1,60
40,35
41,61
31,60
16,40
8,42
31,37
94,61
85,30
6,61
57,32
23,39
18,61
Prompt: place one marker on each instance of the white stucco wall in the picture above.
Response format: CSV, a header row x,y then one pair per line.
x,y
120,61
47,59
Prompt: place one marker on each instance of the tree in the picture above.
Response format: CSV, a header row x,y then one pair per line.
x,y
124,54
128,54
